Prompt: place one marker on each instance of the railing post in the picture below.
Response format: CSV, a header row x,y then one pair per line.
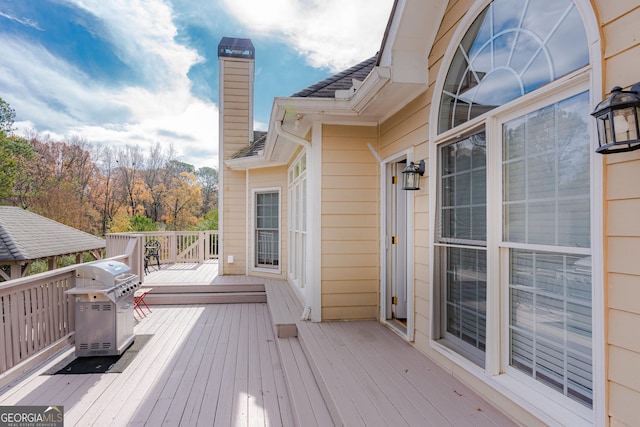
x,y
173,246
135,253
201,247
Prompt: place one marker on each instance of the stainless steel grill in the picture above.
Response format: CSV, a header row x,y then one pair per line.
x,y
104,308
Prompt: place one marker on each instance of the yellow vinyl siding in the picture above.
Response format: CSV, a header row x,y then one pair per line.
x,y
234,222
622,230
622,246
270,178
411,125
350,231
235,105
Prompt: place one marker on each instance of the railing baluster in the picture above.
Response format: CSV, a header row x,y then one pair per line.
x,y
4,339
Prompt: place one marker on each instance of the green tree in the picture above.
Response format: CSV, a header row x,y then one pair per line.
x,y
7,116
142,223
14,152
209,222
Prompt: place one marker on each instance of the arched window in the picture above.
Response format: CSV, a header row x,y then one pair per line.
x,y
512,48
512,255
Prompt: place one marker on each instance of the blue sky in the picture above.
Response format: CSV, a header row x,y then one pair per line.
x,y
138,72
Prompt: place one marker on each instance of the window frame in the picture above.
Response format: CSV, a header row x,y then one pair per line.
x,y
297,211
441,246
580,83
530,393
254,262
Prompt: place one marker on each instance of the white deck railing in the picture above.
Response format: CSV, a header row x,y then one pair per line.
x,y
175,246
36,314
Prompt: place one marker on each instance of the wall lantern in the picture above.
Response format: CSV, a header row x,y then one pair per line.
x,y
411,176
617,118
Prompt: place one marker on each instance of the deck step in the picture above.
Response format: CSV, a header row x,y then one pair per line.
x,y
179,289
285,308
205,298
307,402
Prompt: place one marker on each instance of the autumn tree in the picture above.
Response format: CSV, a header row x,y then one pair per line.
x,y
155,176
61,176
99,188
182,202
208,180
129,160
106,186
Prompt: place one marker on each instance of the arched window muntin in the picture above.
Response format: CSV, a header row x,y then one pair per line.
x,y
496,63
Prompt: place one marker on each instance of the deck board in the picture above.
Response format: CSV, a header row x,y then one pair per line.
x,y
175,380
222,364
185,274
353,359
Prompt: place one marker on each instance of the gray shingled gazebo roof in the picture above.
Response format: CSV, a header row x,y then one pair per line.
x,y
26,236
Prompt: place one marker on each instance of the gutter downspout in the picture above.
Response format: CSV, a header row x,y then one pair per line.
x,y
291,137
248,224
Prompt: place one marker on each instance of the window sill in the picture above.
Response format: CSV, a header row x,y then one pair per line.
x,y
266,270
550,407
543,403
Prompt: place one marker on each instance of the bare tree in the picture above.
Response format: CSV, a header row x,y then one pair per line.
x,y
129,159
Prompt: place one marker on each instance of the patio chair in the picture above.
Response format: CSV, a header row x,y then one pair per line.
x,y
151,250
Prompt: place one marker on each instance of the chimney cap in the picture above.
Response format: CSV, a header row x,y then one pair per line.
x,y
232,47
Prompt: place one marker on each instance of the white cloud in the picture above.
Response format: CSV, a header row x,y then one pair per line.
x,y
22,21
55,98
330,33
142,33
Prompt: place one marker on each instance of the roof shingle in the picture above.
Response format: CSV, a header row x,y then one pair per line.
x,y
324,89
25,236
341,81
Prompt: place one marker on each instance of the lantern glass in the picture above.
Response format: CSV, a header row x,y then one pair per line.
x,y
604,129
411,180
624,124
411,176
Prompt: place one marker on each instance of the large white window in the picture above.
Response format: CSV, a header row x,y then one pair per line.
x,y
547,233
461,245
267,229
512,242
298,220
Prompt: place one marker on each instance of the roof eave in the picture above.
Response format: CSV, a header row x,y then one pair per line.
x,y
254,162
409,37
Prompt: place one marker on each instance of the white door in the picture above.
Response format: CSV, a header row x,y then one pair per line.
x,y
396,295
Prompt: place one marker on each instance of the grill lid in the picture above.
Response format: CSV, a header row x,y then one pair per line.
x,y
101,274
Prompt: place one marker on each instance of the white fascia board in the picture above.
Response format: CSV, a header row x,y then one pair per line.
x,y
412,30
254,162
328,108
370,87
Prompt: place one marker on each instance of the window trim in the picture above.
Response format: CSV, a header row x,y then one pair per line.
x,y
590,77
254,266
502,249
299,280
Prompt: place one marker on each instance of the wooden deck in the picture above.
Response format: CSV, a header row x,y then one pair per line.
x,y
182,274
205,365
221,364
